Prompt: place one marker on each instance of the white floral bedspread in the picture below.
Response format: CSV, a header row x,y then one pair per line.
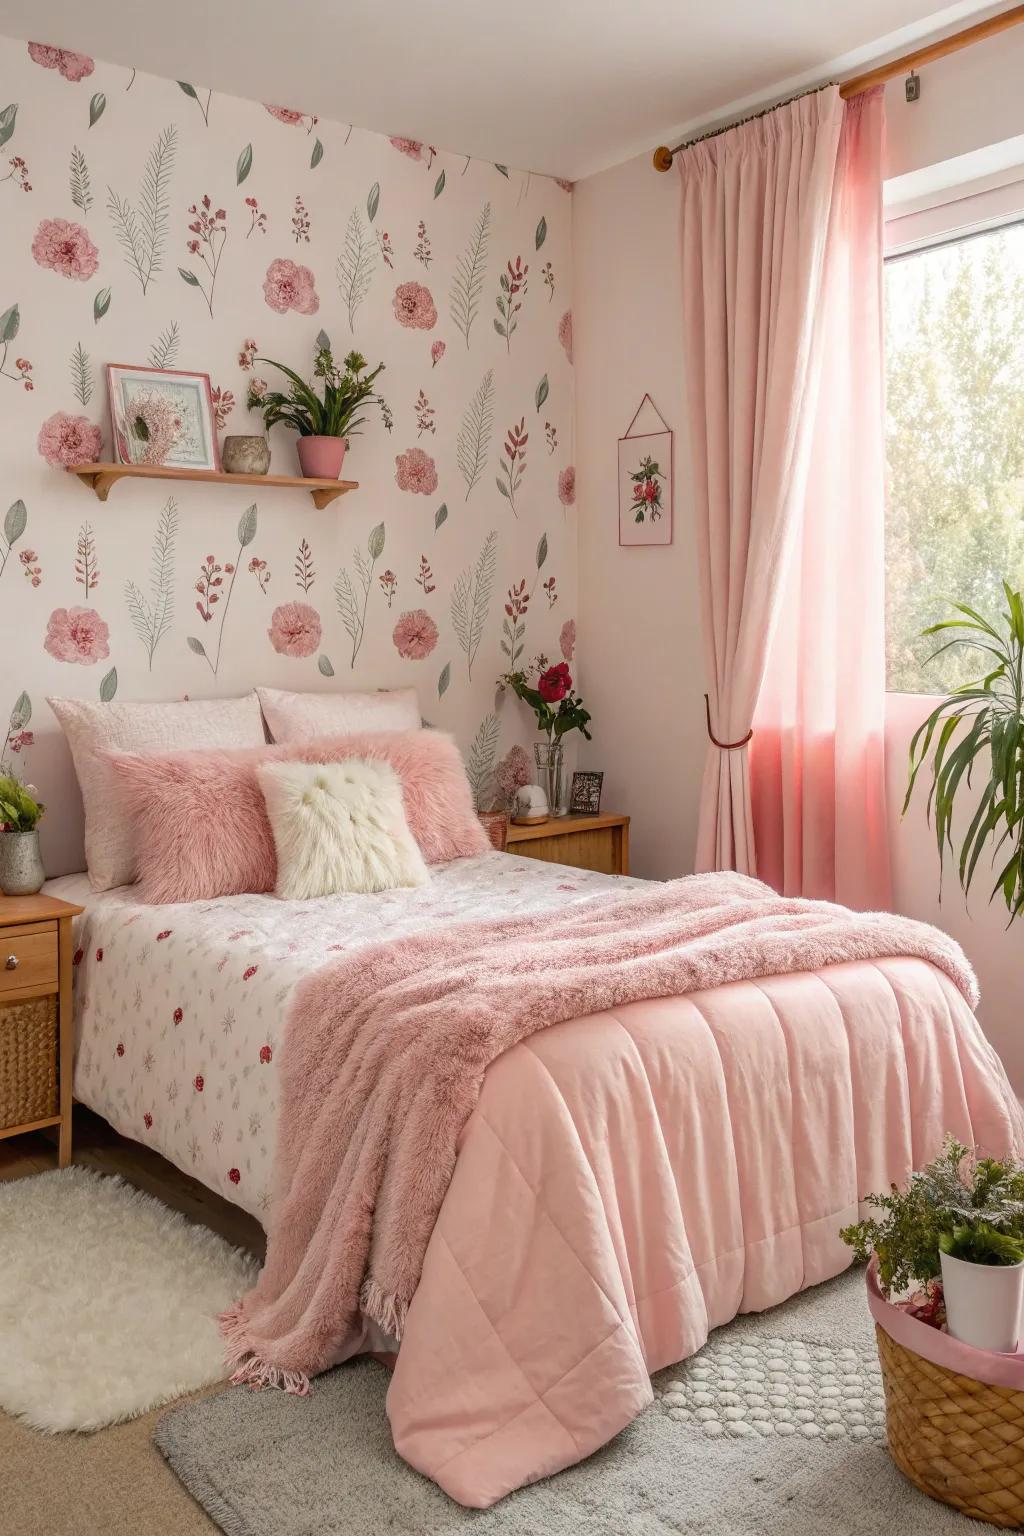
x,y
180,1010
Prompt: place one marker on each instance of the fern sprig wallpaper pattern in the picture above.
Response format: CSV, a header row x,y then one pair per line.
x,y
150,222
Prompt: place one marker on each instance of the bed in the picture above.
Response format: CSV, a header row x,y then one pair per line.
x,y
627,1182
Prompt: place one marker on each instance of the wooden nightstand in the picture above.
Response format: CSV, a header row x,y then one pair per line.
x,y
37,1043
584,842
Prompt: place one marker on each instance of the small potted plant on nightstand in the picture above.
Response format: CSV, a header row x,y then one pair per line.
x,y
324,425
21,867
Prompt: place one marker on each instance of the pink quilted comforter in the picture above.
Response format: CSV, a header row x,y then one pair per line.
x,y
631,1180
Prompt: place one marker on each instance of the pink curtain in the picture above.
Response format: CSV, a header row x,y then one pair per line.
x,y
817,759
777,249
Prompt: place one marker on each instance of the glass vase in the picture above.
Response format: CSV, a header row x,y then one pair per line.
x,y
547,756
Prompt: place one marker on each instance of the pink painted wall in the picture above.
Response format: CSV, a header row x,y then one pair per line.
x,y
639,611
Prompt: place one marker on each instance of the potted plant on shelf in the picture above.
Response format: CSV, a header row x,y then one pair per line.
x,y
981,720
21,867
558,710
324,425
961,1218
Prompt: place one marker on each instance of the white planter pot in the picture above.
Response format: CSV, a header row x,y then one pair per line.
x,y
983,1302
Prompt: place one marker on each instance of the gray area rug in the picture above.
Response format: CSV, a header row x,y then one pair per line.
x,y
775,1429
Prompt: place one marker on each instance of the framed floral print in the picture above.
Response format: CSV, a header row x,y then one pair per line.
x,y
646,464
158,416
585,797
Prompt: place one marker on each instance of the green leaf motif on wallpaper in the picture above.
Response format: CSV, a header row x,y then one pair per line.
x,y
323,341
324,667
21,714
10,322
352,604
542,550
108,687
474,439
481,759
97,107
7,121
152,616
188,277
195,645
541,392
503,169
244,165
541,233
193,95
444,679
142,230
189,90
165,349
471,600
373,201
470,271
15,522
316,156
441,515
81,375
100,304
439,185
81,186
247,526
375,543
355,266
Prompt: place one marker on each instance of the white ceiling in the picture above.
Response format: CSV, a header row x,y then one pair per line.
x,y
562,86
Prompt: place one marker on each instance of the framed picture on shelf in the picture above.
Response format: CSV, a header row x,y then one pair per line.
x,y
158,416
646,466
585,796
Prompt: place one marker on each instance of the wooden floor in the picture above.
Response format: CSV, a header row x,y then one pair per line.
x,y
97,1146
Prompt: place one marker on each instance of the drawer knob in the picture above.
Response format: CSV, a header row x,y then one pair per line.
x,y
12,963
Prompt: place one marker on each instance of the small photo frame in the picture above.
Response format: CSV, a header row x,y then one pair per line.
x,y
585,796
148,404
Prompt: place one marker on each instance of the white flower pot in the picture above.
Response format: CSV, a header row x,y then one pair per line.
x,y
983,1302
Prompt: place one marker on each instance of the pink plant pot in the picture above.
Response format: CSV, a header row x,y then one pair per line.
x,y
321,458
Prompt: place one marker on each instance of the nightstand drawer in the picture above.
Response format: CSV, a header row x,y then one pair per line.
x,y
28,957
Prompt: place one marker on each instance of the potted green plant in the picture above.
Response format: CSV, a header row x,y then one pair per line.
x,y
978,729
558,710
324,425
21,867
961,1217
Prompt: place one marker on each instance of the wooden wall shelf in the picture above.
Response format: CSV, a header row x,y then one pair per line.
x,y
100,477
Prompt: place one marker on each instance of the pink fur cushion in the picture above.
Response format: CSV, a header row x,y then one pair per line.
x,y
200,822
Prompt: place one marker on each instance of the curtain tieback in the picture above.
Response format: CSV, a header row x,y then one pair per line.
x,y
724,746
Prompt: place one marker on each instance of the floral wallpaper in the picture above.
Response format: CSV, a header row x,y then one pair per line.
x,y
157,222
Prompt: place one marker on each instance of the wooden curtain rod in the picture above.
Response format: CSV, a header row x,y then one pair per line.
x,y
902,66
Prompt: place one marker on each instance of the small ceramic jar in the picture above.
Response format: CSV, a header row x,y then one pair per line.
x,y
245,455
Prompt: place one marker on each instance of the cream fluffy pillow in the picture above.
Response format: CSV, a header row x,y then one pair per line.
x,y
339,827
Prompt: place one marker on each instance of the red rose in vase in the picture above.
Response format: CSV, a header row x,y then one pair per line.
x,y
554,684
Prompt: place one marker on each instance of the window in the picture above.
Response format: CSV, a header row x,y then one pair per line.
x,y
955,444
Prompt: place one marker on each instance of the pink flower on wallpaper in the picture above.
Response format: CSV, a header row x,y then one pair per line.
x,y
65,248
415,635
567,639
416,471
411,147
567,486
566,186
565,333
77,635
437,351
294,629
289,286
73,66
65,439
284,114
414,307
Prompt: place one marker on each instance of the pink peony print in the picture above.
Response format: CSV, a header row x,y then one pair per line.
x,y
65,248
284,114
77,635
294,629
567,486
289,286
73,66
415,635
411,147
416,471
567,639
565,333
414,307
65,439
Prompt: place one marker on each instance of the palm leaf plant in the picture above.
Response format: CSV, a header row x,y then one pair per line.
x,y
980,727
345,391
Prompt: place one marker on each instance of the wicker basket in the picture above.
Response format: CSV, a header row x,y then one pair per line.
x,y
495,824
28,1061
957,1439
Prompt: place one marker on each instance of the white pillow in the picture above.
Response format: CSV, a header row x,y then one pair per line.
x,y
92,729
339,827
304,716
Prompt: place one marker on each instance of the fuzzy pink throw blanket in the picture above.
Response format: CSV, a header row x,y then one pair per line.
x,y
385,1053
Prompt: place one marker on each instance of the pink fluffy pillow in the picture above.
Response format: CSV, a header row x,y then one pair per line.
x,y
200,823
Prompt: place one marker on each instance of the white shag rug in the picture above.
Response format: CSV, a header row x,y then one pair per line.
x,y
108,1300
